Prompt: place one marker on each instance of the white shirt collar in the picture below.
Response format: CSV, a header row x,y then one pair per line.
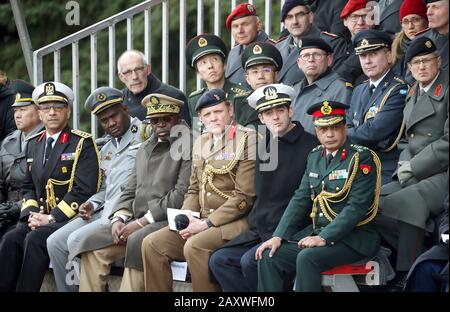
x,y
376,83
55,137
428,87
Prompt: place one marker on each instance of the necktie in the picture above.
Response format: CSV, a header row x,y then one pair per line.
x,y
421,92
329,158
372,89
48,149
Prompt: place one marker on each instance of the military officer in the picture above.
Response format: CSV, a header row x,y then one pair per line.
x,y
13,163
245,27
333,208
376,109
221,189
262,63
207,53
320,81
157,181
117,162
298,20
63,171
276,178
415,196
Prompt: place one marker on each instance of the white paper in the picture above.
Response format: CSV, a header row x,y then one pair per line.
x,y
179,271
172,213
444,238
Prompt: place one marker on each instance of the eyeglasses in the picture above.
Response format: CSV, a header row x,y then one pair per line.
x,y
414,21
257,71
298,15
137,71
315,56
425,61
157,120
354,18
57,107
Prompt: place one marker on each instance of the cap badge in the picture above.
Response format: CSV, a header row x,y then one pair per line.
x,y
326,108
154,100
270,93
300,43
428,44
257,49
250,8
202,42
101,97
17,96
49,89
364,43
217,97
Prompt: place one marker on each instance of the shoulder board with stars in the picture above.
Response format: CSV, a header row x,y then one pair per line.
x,y
317,148
81,133
197,92
245,129
331,35
240,92
35,135
359,148
348,84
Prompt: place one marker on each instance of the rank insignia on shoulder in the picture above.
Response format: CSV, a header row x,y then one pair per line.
x,y
242,204
134,129
349,84
365,168
67,156
81,133
317,148
197,92
135,146
64,169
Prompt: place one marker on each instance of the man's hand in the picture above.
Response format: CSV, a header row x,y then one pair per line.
x,y
404,172
127,230
311,241
85,211
274,243
195,226
37,220
115,231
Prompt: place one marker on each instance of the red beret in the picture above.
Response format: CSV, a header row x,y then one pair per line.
x,y
242,10
413,7
352,6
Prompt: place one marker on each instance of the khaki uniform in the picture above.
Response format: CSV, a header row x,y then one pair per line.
x,y
221,189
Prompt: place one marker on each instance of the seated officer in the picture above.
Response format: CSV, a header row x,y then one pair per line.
x,y
234,265
415,196
376,109
262,62
328,220
117,161
221,189
157,181
206,53
13,161
63,173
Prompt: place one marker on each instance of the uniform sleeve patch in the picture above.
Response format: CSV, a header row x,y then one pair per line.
x,y
366,169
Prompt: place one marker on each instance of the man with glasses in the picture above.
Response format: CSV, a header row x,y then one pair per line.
x,y
298,19
262,63
438,21
411,202
139,80
221,189
320,81
207,53
246,28
13,161
117,161
357,16
158,180
63,172
376,109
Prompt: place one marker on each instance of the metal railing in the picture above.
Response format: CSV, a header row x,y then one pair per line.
x,y
110,24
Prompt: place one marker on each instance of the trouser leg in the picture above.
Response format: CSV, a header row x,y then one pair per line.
x,y
249,267
132,281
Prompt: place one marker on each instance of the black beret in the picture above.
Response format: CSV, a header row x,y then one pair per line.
x,y
371,40
288,5
203,45
258,53
309,42
420,46
210,98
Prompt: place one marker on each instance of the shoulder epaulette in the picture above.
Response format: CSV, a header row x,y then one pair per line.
x,y
245,129
197,92
240,92
399,79
281,39
81,133
422,31
359,148
134,147
348,84
317,148
331,35
271,41
35,135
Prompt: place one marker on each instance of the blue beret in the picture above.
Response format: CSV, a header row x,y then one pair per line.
x,y
210,98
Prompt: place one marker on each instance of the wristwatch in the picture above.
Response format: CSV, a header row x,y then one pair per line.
x,y
51,219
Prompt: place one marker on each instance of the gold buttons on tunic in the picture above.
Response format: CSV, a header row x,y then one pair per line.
x,y
411,135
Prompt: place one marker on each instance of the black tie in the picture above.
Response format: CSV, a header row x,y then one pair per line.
x,y
372,89
48,149
329,158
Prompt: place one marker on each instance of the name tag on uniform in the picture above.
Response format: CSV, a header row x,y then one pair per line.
x,y
68,156
225,156
338,174
313,175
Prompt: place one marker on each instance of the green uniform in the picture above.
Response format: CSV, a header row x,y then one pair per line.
x,y
337,203
233,91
